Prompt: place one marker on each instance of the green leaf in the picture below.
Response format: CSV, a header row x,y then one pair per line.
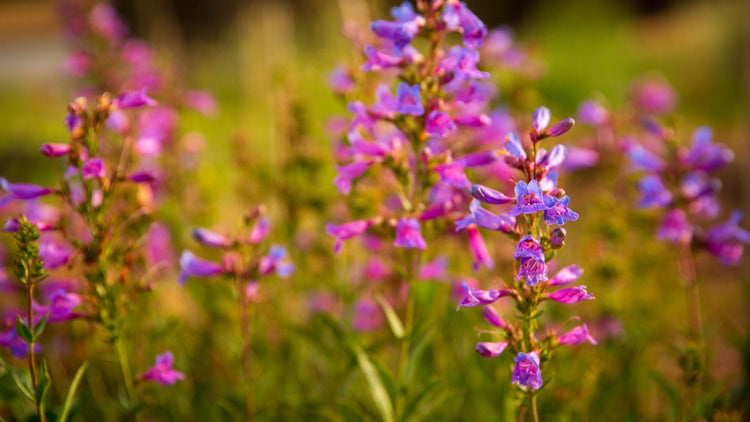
x,y
71,392
39,327
22,382
23,330
375,384
415,355
424,403
43,383
393,320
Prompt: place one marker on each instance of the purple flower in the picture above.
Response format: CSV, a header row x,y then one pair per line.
x,y
489,195
192,266
408,235
133,99
565,276
107,23
260,230
340,80
18,346
400,33
54,253
485,219
533,269
458,17
553,159
346,231
434,270
704,154
476,297
93,168
571,295
526,372
528,247
491,316
276,261
491,350
367,316
347,173
557,211
404,12
379,60
675,227
453,174
61,306
540,119
643,159
529,199
478,249
561,127
592,113
22,191
142,177
55,150
409,99
459,65
653,192
577,158
576,336
514,147
162,371
725,240
210,238
439,123
557,237
653,95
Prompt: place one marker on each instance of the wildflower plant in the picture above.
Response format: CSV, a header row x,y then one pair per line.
x,y
245,260
539,210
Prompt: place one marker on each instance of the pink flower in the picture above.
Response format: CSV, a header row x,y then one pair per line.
x,y
162,371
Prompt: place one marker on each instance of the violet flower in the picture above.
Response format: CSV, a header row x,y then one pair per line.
x,y
540,119
675,227
457,16
557,211
576,336
592,113
528,247
347,173
479,249
22,191
193,266
514,146
260,230
491,349
491,316
133,99
704,154
486,219
476,297
725,240
55,150
654,193
489,195
367,316
276,261
529,199
210,238
408,235
571,295
453,174
439,123
526,372
346,231
533,269
162,371
93,168
61,306
566,276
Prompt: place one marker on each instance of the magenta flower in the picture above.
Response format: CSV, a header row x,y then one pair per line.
x,y
340,80
162,371
566,276
486,219
491,316
478,249
260,230
457,16
529,199
192,266
367,316
54,253
439,123
379,60
61,306
653,95
528,247
592,113
533,269
434,270
18,346
476,297
22,191
453,174
527,372
55,150
491,350
346,231
202,102
276,261
704,154
675,227
571,295
653,192
133,99
408,235
489,195
725,240
93,168
210,238
576,336
347,173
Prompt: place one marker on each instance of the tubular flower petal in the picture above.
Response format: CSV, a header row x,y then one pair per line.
x,y
571,295
526,372
491,350
192,266
162,371
576,336
408,235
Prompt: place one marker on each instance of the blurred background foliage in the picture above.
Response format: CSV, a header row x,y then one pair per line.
x,y
267,63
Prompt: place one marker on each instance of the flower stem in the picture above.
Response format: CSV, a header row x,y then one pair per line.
x,y
412,262
127,374
32,363
245,336
692,361
532,402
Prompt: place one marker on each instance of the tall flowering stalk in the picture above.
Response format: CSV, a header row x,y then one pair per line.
x,y
245,260
410,147
680,182
539,205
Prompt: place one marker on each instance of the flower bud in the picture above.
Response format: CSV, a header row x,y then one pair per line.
x,y
557,237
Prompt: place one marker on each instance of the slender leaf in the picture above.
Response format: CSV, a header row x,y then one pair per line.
x,y
71,392
39,327
22,382
393,320
375,385
23,330
43,383
415,355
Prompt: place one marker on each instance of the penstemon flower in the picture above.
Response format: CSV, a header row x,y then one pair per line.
x,y
539,205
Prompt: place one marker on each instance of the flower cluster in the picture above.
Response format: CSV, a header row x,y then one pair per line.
x,y
537,206
680,180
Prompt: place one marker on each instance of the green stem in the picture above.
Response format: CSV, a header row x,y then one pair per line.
x,y
127,374
693,359
245,336
32,363
411,265
532,402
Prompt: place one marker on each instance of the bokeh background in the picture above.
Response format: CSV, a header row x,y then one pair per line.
x,y
267,63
